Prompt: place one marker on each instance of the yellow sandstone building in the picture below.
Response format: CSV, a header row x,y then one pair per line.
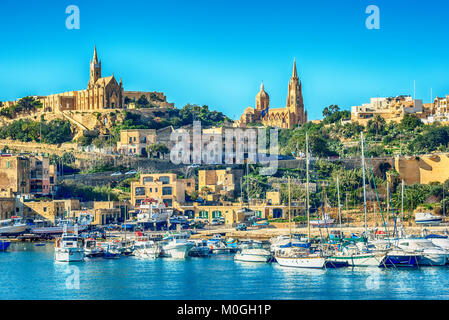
x,y
102,93
288,117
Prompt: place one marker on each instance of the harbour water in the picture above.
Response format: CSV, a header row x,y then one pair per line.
x,y
30,272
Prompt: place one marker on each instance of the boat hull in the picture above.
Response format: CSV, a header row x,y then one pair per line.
x,y
13,230
362,260
4,245
249,256
178,250
395,260
69,254
306,262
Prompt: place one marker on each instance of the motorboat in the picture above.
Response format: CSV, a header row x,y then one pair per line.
x,y
91,249
299,258
147,249
12,227
69,247
253,252
200,249
110,250
432,255
176,245
427,218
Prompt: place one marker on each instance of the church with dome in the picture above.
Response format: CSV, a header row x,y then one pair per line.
x,y
289,117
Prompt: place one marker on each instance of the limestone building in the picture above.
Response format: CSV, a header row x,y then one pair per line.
x,y
391,109
102,93
290,116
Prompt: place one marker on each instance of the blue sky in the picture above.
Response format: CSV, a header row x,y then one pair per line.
x,y
217,52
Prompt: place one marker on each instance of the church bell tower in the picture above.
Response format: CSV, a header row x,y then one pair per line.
x,y
95,69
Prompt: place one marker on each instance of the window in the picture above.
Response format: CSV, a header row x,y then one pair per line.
x,y
8,164
45,209
164,180
188,184
140,191
147,179
166,191
204,215
216,214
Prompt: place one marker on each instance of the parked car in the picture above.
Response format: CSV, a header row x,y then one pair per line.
x,y
221,220
116,174
241,227
215,222
131,172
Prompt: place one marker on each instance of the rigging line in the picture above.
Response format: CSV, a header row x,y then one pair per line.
x,y
378,199
321,202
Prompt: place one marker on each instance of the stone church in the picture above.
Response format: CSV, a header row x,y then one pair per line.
x,y
288,117
101,93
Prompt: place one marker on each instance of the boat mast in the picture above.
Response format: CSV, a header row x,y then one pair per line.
x,y
339,206
307,186
364,186
402,203
289,211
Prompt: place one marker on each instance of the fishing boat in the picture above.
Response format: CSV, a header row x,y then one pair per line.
x,y
110,250
177,245
69,248
200,249
427,218
12,227
147,249
253,252
91,249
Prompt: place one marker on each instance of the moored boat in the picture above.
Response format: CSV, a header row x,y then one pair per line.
x,y
253,252
177,245
12,227
299,258
69,248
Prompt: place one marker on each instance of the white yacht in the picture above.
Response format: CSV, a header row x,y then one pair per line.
x,y
299,258
13,226
177,245
427,218
68,248
253,252
431,254
147,249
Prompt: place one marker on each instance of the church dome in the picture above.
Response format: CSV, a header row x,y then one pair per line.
x,y
262,93
262,99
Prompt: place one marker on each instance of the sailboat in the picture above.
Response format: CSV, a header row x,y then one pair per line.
x,y
300,257
358,255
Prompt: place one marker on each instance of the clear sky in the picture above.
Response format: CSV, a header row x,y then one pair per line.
x,y
217,52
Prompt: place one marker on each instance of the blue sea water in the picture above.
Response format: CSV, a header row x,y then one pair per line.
x,y
30,272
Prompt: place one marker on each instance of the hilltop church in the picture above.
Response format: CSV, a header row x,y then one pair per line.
x,y
101,93
288,117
